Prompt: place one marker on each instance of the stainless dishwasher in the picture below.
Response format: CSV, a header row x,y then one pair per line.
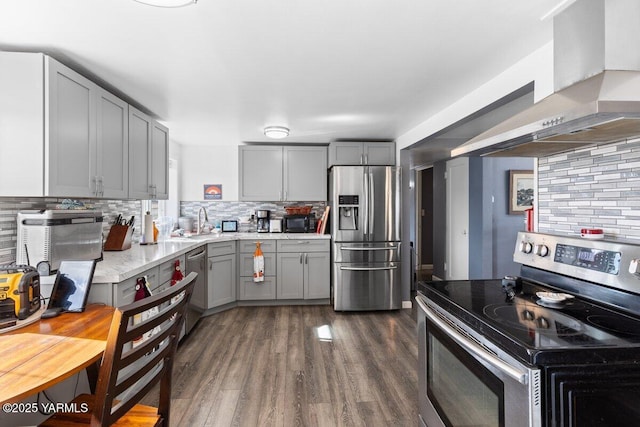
x,y
196,262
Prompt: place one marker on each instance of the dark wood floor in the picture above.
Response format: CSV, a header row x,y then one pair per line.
x,y
297,366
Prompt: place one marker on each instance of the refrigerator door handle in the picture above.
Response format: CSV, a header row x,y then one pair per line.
x,y
372,202
393,267
365,177
389,248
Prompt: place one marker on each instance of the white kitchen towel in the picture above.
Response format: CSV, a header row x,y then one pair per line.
x,y
258,265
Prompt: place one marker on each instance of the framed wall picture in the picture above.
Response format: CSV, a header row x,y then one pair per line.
x,y
520,191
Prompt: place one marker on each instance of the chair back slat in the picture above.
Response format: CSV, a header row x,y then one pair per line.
x,y
128,371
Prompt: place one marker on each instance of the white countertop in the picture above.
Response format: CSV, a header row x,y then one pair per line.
x,y
121,265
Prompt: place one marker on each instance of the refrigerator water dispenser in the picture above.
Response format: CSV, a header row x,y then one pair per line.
x,y
348,212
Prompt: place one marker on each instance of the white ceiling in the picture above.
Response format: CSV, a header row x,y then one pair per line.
x,y
218,71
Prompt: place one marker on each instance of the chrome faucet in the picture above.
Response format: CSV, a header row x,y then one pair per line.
x,y
200,225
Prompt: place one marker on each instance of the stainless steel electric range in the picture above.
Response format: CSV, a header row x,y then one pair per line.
x,y
557,346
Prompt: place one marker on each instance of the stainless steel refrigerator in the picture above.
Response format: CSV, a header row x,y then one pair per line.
x,y
365,228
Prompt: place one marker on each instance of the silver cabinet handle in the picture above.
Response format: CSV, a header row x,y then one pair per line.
x,y
393,267
300,261
474,348
306,258
366,159
94,182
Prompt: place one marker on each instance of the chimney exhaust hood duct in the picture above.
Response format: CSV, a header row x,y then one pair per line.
x,y
597,45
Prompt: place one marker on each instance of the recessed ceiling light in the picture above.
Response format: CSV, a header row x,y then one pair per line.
x,y
167,3
276,132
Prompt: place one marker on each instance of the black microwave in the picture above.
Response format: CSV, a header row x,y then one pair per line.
x,y
299,223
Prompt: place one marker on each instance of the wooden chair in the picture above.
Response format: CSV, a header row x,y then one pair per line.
x,y
127,373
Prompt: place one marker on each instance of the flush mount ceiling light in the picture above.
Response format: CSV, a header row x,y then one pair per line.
x,y
167,3
276,132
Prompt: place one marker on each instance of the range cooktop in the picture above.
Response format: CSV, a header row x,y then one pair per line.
x,y
539,330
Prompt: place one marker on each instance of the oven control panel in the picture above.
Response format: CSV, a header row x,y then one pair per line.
x,y
593,259
607,262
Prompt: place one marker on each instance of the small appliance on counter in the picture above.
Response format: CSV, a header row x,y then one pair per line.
x,y
263,216
275,226
46,237
229,226
299,223
19,293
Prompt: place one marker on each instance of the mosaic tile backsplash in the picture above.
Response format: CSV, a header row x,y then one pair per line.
x,y
221,210
9,208
594,187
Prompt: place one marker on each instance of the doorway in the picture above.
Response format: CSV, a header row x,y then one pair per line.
x,y
424,215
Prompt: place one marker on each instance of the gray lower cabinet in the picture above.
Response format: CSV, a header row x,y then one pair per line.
x,y
303,269
247,288
158,277
222,275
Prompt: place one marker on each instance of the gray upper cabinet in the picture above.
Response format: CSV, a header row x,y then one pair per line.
x,y
148,157
305,173
349,153
72,152
283,173
159,161
112,146
76,134
260,172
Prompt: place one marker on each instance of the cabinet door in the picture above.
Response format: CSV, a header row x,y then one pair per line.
x,y
70,144
305,173
139,148
21,91
125,291
222,280
260,173
379,153
112,146
159,161
345,153
317,280
290,276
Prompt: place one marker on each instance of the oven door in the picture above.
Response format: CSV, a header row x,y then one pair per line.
x,y
464,381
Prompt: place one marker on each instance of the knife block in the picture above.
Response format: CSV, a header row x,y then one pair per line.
x,y
119,238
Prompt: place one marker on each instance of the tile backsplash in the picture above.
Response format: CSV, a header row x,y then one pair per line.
x,y
222,210
9,208
594,187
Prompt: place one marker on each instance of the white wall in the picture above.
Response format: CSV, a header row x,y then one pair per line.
x,y
538,67
208,165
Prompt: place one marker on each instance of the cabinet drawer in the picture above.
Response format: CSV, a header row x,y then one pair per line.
x,y
302,245
250,290
125,292
246,265
249,246
221,248
165,272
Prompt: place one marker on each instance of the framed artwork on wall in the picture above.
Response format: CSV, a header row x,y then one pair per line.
x,y
520,191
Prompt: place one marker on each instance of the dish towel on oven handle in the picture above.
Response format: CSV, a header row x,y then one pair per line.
x,y
258,264
143,291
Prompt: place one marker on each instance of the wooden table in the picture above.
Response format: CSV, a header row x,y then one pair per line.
x,y
46,352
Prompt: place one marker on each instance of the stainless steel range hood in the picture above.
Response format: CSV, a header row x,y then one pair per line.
x,y
597,45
